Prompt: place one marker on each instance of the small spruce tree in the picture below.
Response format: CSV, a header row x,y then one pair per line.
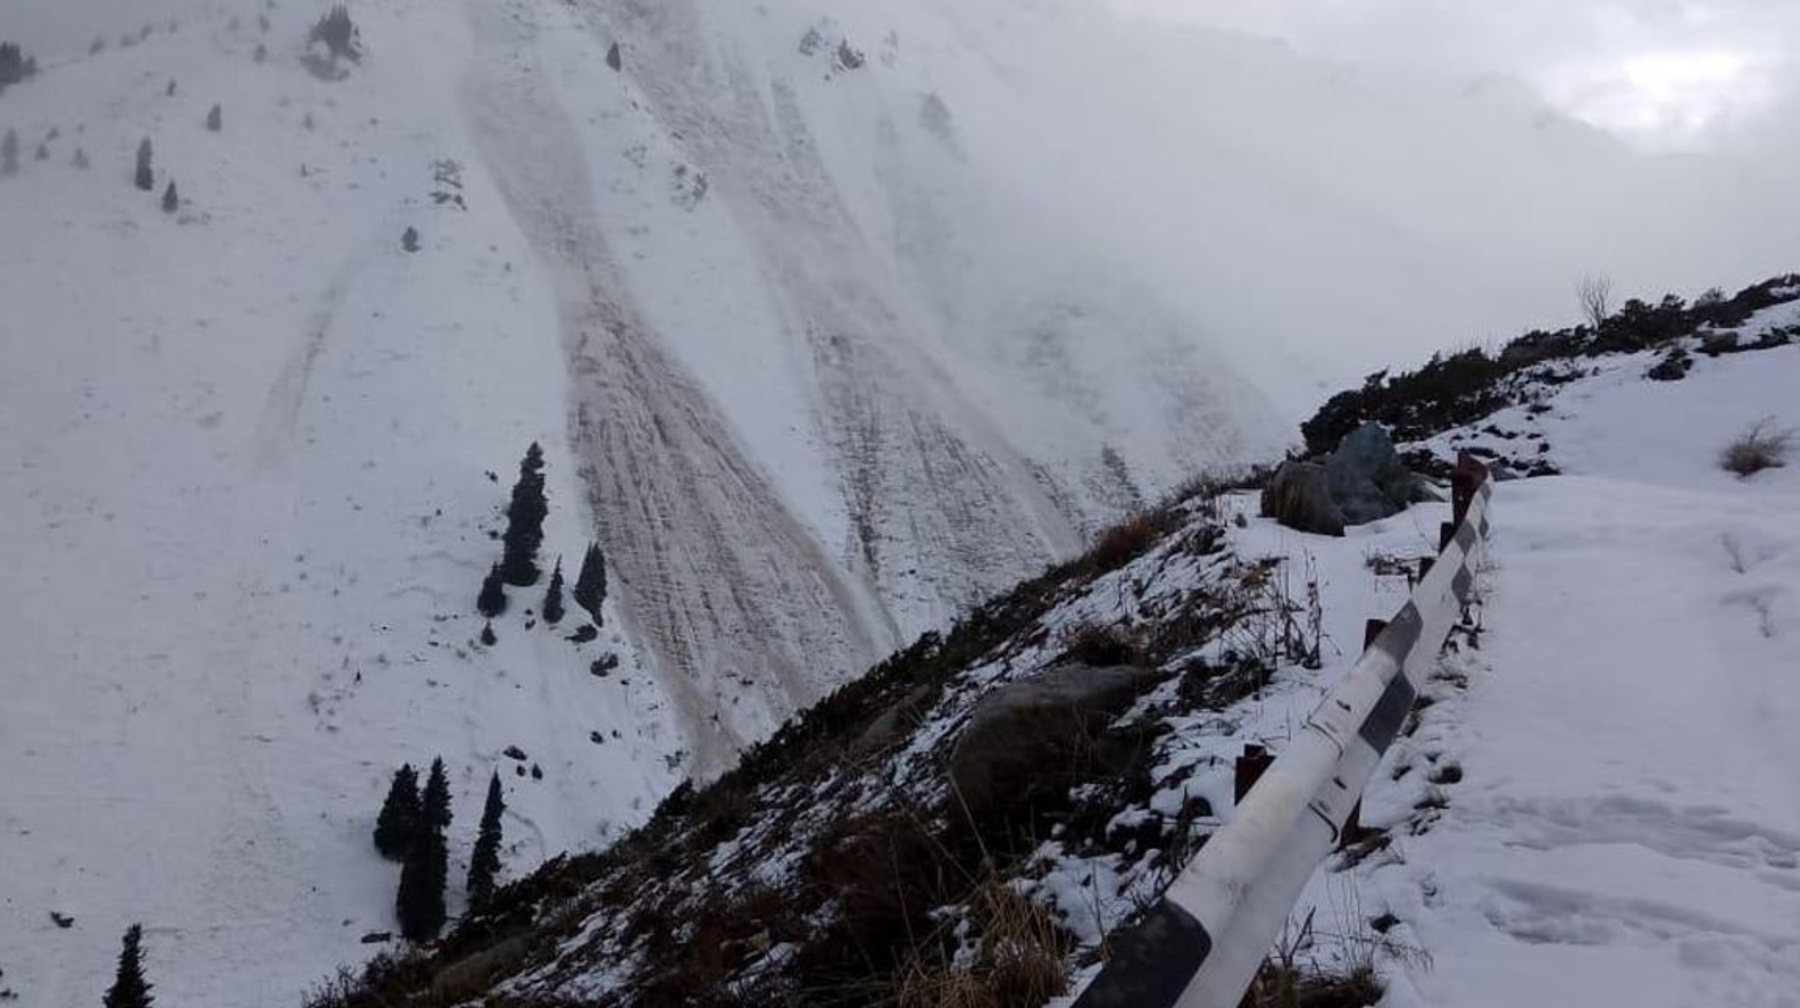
x,y
15,66
525,521
409,239
170,90
338,33
171,200
215,119
130,989
80,160
397,827
590,584
484,862
9,153
553,597
492,600
146,179
487,635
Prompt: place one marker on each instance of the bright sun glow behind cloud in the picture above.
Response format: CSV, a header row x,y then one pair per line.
x,y
1664,99
1664,74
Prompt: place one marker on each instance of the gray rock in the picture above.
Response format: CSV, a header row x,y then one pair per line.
x,y
1299,496
1018,730
1722,342
1366,479
890,725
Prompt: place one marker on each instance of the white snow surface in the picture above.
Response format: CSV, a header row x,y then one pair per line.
x,y
1627,826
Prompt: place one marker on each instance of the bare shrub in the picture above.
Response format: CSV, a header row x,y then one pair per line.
x,y
1020,962
1128,540
1595,294
1098,645
1761,446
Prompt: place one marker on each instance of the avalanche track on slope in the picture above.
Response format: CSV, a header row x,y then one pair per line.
x,y
717,576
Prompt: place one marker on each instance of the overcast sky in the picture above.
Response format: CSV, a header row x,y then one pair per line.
x,y
1664,73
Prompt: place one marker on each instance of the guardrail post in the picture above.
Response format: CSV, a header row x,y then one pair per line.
x,y
1371,630
1464,481
1250,767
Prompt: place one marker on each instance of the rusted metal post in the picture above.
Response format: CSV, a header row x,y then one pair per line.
x,y
1464,481
1250,767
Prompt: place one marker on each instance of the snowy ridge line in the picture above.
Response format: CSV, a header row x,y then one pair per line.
x,y
1202,944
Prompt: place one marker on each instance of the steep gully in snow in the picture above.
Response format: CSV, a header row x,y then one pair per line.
x,y
735,597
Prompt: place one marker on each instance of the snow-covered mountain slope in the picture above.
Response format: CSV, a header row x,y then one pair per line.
x,y
820,350
1591,795
245,445
864,856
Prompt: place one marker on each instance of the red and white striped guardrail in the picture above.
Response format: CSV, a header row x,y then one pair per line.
x,y
1202,944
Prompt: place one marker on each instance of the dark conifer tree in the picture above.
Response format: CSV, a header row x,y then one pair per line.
x,y
397,827
130,989
15,66
590,584
487,635
338,33
171,200
170,91
435,805
484,863
409,239
553,597
215,120
146,179
9,153
492,601
525,521
419,904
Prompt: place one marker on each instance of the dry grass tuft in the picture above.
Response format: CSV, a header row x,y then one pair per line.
x,y
1762,446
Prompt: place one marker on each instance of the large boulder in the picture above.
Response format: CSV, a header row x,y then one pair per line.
x,y
1020,736
1362,481
1299,496
1367,480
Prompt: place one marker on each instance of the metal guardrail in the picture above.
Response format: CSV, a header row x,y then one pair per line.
x,y
1203,943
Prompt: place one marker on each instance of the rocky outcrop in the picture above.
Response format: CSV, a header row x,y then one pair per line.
x,y
1368,481
1362,481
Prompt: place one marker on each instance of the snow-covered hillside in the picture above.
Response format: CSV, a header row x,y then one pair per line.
x,y
1625,822
826,319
